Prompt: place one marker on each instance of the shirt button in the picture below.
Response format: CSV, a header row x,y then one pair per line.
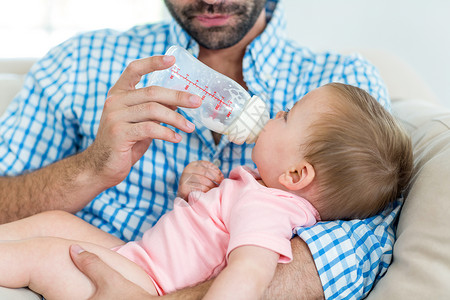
x,y
217,163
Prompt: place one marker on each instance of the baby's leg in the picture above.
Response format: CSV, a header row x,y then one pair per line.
x,y
57,224
44,264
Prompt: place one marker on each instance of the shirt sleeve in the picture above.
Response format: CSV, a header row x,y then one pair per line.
x,y
263,219
38,127
350,256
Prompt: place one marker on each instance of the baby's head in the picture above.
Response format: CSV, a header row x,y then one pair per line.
x,y
338,148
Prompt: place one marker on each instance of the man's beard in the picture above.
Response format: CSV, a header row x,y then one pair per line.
x,y
244,16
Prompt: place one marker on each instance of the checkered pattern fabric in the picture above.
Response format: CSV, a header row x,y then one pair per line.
x,y
58,111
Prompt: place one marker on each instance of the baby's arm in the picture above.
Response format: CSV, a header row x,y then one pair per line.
x,y
247,275
44,264
199,175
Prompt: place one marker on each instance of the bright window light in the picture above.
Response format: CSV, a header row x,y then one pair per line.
x,y
29,28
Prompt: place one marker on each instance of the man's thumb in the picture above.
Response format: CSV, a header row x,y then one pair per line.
x,y
88,263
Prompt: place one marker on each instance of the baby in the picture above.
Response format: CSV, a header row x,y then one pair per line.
x,y
337,154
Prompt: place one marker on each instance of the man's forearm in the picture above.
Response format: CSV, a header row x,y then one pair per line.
x,y
296,280
190,293
65,185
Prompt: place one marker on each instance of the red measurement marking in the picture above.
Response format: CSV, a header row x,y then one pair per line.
x,y
204,90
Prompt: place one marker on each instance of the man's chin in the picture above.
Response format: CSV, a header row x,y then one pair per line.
x,y
217,43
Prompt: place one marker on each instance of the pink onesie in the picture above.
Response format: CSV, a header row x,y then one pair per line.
x,y
191,243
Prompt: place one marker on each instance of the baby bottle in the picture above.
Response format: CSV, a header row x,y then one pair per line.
x,y
227,108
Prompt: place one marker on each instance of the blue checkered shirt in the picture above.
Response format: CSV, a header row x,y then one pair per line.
x,y
57,114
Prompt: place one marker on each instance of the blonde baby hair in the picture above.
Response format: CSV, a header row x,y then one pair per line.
x,y
362,157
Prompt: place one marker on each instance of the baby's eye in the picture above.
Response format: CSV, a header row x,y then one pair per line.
x,y
286,112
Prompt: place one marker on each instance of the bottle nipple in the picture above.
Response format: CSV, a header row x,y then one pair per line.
x,y
249,124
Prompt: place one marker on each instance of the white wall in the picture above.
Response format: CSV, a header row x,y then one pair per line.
x,y
418,31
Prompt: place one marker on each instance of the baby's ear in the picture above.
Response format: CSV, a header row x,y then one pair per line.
x,y
298,177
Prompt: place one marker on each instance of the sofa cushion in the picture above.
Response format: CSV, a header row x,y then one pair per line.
x,y
421,257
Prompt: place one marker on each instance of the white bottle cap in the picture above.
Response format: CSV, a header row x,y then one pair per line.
x,y
249,124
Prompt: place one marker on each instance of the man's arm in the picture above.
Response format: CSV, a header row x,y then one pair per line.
x,y
130,121
296,280
66,185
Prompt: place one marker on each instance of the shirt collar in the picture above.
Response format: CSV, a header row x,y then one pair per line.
x,y
263,55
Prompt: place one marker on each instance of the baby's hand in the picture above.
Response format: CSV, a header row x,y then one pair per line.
x,y
199,176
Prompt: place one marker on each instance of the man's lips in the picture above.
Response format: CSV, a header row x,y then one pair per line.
x,y
209,20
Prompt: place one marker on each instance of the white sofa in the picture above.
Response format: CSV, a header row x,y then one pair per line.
x,y
421,265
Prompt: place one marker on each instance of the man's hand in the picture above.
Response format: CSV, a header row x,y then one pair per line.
x,y
131,120
109,284
199,175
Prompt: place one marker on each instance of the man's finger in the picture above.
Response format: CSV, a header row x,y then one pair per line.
x,y
159,114
145,130
169,97
136,69
91,265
